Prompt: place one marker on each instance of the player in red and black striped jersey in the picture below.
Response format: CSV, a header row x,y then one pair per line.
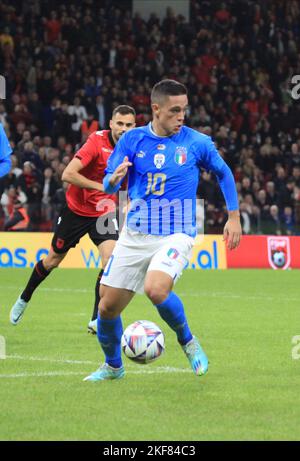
x,y
85,199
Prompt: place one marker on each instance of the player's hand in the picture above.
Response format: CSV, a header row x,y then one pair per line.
x,y
120,172
232,233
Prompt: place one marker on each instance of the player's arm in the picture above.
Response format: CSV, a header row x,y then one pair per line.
x,y
85,155
232,230
117,166
119,173
211,160
72,175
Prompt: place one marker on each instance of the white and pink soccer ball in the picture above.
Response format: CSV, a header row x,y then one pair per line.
x,y
143,341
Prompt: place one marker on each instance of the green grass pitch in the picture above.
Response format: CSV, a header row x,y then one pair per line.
x,y
245,320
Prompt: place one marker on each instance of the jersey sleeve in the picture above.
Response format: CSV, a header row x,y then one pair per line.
x,y
209,158
207,155
88,151
122,150
5,166
5,149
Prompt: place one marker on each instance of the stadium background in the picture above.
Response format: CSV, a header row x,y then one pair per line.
x,y
68,66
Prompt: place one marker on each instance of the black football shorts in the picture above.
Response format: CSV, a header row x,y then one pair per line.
x,y
71,227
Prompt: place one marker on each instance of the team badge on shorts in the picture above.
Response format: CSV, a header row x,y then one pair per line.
x,y
180,155
60,243
159,160
173,253
279,253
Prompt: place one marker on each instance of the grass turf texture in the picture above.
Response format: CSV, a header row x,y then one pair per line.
x,y
245,320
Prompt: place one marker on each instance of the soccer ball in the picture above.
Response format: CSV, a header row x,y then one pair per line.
x,y
279,258
143,341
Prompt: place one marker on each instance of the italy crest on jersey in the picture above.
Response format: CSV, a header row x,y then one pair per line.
x,y
159,160
180,155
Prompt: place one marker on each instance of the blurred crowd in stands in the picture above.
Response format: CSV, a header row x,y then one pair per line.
x,y
68,65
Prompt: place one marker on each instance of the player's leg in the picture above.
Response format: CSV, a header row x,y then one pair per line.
x,y
158,288
109,332
165,268
123,276
104,233
70,228
40,272
105,249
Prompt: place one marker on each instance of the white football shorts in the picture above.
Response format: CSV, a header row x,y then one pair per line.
x,y
135,254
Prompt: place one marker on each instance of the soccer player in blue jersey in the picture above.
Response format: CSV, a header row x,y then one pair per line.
x,y
5,151
162,160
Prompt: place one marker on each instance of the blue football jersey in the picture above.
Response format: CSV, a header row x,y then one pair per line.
x,y
163,180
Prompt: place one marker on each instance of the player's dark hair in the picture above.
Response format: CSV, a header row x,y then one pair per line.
x,y
165,88
124,110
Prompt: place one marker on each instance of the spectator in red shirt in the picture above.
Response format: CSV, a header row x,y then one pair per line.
x,y
90,125
252,106
140,98
53,28
201,72
222,15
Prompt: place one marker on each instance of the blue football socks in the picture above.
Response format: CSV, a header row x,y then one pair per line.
x,y
172,312
109,333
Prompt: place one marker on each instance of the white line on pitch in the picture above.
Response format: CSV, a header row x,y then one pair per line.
x,y
41,374
158,370
71,290
202,294
131,366
46,359
213,294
